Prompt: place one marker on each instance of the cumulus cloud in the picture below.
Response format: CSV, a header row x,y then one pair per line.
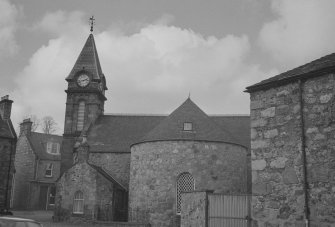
x,y
149,71
8,26
303,31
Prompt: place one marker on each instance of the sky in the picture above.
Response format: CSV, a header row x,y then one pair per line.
x,y
155,53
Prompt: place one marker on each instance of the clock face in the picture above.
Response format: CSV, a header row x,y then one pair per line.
x,y
83,80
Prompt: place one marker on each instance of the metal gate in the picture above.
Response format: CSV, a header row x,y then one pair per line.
x,y
229,210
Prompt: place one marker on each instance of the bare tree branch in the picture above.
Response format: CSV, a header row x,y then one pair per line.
x,y
49,125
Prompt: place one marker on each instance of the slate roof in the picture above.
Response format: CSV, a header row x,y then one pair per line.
x,y
38,142
88,59
116,133
7,129
317,67
108,175
204,128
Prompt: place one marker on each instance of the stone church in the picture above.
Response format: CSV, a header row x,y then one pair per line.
x,y
115,164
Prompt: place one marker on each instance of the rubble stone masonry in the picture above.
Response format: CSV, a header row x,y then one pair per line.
x,y
276,153
155,167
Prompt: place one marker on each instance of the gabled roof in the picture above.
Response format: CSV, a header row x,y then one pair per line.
x,y
38,141
7,129
204,128
108,175
315,68
88,60
115,133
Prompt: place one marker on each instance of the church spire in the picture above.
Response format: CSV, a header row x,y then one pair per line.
x,y
88,60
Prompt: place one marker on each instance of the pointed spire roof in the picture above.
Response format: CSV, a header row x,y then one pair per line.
x,y
88,60
203,127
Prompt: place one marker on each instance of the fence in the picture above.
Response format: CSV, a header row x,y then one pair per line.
x,y
229,210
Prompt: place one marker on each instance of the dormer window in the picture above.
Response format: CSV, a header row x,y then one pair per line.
x,y
48,170
53,148
188,126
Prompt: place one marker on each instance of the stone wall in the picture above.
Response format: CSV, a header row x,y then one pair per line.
x,y
25,169
42,165
116,163
7,153
81,177
155,167
193,209
276,144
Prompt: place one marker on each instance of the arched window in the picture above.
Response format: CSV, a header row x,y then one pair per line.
x,y
78,203
185,183
81,116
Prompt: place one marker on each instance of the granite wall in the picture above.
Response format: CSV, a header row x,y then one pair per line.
x,y
7,152
277,144
97,190
193,209
155,167
25,165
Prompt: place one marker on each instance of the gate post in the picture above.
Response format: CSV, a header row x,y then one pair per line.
x,y
207,207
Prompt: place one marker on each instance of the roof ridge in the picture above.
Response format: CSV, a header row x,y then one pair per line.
x,y
228,115
313,68
136,114
46,134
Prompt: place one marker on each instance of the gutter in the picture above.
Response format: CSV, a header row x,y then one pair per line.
x,y
303,154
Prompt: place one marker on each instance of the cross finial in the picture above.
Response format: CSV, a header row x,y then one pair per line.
x,y
92,23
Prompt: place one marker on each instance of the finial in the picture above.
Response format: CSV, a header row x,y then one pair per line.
x,y
92,23
189,94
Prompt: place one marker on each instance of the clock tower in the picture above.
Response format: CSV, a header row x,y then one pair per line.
x,y
85,99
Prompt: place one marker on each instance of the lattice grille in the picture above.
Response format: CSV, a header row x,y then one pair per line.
x,y
185,183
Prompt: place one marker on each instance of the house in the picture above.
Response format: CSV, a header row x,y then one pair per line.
x,y
292,146
7,152
37,164
148,160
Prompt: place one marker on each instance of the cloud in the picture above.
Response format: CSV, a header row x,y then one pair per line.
x,y
149,71
303,31
8,26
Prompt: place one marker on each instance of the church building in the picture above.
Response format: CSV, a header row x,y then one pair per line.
x,y
115,164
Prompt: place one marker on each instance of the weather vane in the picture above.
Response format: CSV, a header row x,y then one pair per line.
x,y
92,23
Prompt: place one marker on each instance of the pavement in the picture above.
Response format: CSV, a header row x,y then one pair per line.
x,y
45,217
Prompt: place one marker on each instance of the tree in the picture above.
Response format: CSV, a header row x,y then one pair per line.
x,y
36,122
49,125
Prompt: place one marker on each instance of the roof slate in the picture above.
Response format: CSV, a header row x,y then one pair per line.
x,y
7,129
88,59
116,133
314,68
39,141
204,128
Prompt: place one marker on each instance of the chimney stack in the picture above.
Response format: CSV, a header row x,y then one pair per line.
x,y
25,127
5,107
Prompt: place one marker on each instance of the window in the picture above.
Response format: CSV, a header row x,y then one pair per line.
x,y
185,183
53,148
188,126
81,116
78,203
48,170
52,194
